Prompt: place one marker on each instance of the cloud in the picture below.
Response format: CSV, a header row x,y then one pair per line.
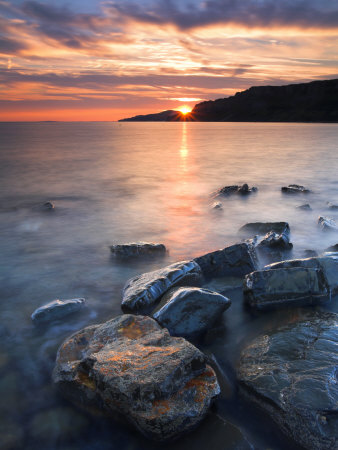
x,y
248,13
10,46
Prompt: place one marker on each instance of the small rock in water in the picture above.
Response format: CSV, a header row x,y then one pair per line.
x,y
236,260
332,206
310,253
48,205
217,205
333,248
190,312
327,224
263,228
138,249
57,309
305,207
132,368
295,189
142,293
292,374
276,288
235,189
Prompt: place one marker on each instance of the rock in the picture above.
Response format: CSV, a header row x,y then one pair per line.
x,y
305,207
217,205
310,253
235,189
236,260
11,435
132,368
190,312
142,293
332,206
327,264
333,248
57,309
327,224
295,189
276,241
275,288
292,374
138,249
48,205
263,228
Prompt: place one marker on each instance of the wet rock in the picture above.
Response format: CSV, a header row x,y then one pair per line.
x,y
57,309
132,368
275,241
48,205
142,293
333,248
138,249
327,224
235,189
262,228
295,189
236,260
310,253
327,264
190,312
305,207
57,424
217,205
278,288
332,206
292,374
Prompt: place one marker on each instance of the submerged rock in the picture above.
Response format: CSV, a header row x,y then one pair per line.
x,y
132,368
327,224
305,207
295,189
328,264
276,288
48,205
236,260
57,309
235,189
332,206
217,205
333,248
189,312
263,228
310,253
292,374
142,293
137,249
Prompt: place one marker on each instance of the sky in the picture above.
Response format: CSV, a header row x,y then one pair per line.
x,y
106,60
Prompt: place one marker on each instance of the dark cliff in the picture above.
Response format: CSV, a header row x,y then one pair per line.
x,y
316,101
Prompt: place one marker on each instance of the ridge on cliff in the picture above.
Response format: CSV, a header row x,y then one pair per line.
x,y
316,101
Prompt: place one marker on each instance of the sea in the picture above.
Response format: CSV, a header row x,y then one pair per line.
x,y
115,183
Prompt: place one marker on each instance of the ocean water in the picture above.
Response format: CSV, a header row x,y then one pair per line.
x,y
121,182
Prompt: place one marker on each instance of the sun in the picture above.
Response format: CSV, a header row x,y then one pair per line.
x,y
185,109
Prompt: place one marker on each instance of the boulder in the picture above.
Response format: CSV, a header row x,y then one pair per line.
x,y
327,224
130,367
137,249
332,206
57,309
295,189
327,264
236,260
262,228
292,374
276,288
305,207
274,241
190,312
142,293
235,189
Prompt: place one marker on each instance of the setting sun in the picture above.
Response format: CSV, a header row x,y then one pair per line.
x,y
185,109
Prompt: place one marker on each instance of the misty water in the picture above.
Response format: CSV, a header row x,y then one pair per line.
x,y
121,182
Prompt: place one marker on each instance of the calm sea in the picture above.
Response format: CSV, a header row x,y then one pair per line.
x,y
121,182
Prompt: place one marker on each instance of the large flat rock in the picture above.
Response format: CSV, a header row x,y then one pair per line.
x,y
263,228
189,312
142,293
235,260
276,288
131,367
136,249
292,374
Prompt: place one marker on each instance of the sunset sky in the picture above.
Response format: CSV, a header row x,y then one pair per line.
x,y
105,60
